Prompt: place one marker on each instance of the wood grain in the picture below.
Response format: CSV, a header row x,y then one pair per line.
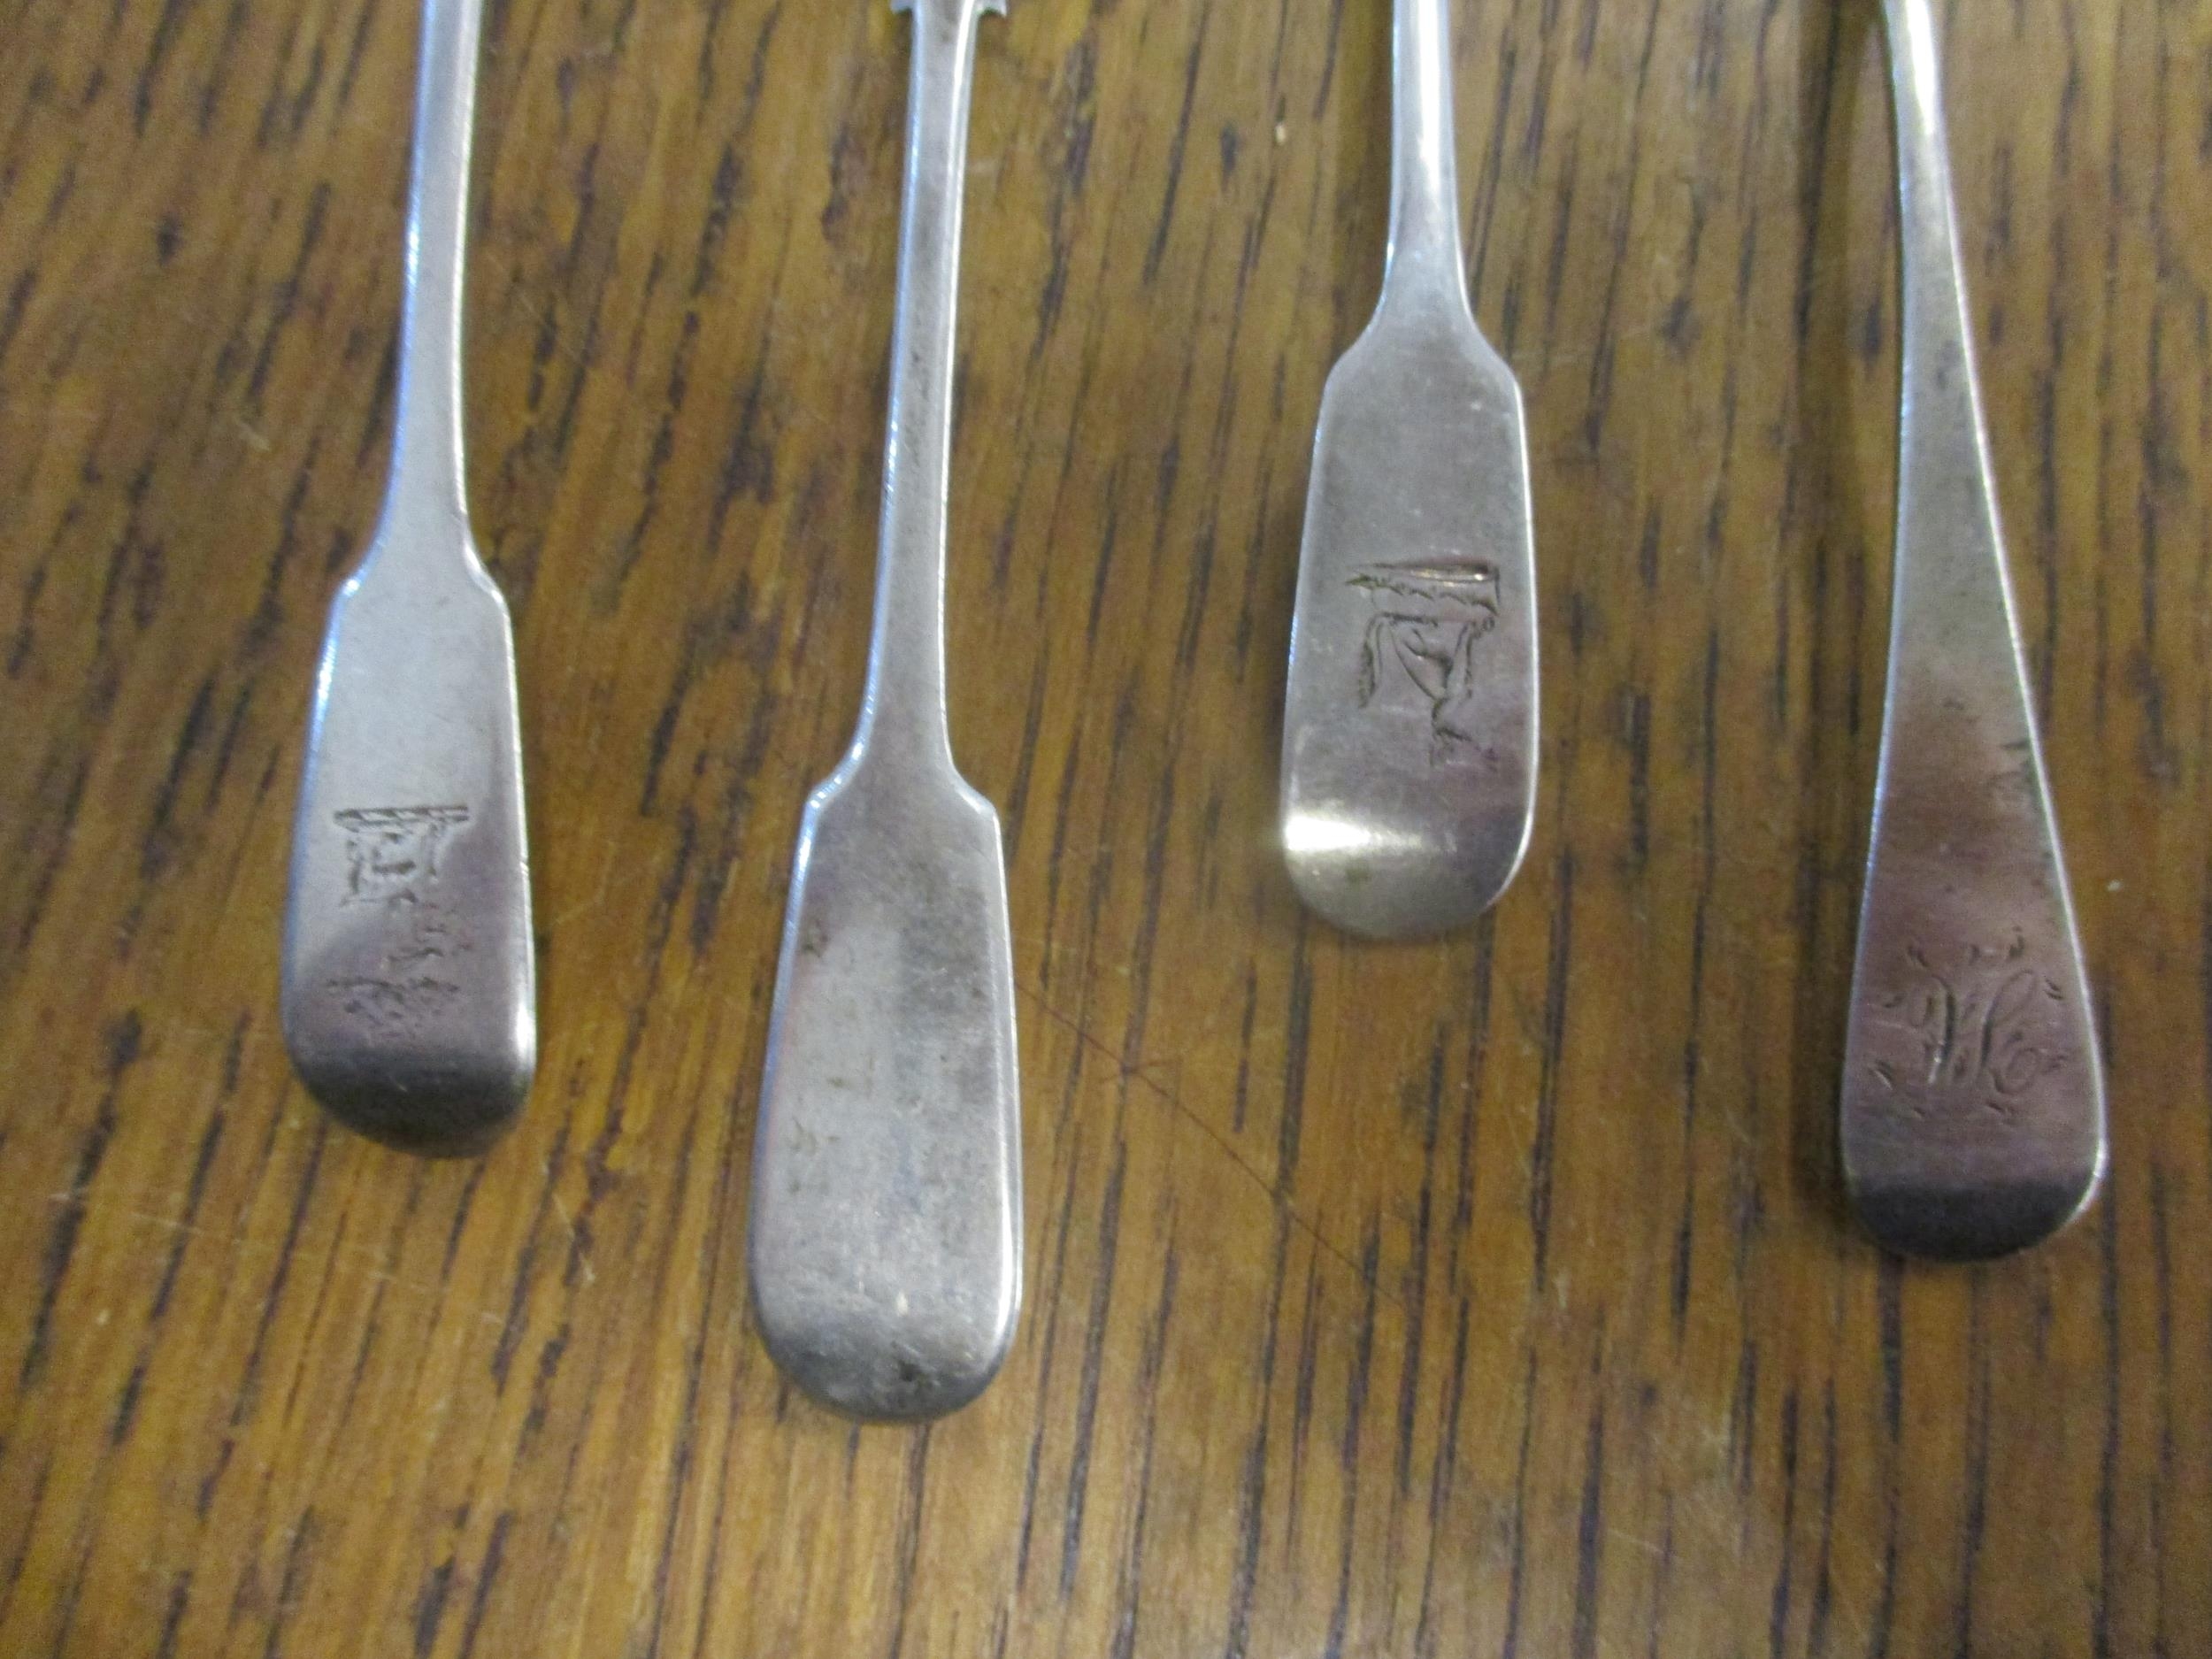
x,y
1485,1297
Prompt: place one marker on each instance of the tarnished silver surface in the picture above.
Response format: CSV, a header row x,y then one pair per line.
x,y
1973,1100
409,1003
885,1232
1409,780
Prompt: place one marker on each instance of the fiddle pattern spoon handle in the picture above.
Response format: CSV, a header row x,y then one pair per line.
x,y
1410,720
409,988
885,1227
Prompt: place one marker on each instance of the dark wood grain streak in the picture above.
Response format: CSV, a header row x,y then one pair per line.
x,y
1491,1295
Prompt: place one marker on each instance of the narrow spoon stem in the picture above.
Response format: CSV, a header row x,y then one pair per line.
x,y
427,464
1424,173
906,668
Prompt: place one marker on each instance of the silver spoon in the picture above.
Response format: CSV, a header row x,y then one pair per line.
x,y
408,997
1409,782
1973,1101
885,1232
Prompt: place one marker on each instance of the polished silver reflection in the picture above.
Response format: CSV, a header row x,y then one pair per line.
x,y
887,1177
408,997
1408,780
1973,1100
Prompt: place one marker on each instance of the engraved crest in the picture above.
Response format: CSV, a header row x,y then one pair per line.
x,y
392,851
1978,1031
392,856
1427,622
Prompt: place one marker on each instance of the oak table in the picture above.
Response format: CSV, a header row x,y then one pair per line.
x,y
1481,1297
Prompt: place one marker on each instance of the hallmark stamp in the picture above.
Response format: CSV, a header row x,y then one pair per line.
x,y
421,946
399,1005
392,851
1979,1031
1427,621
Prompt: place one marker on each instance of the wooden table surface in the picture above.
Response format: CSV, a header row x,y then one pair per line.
x,y
1483,1297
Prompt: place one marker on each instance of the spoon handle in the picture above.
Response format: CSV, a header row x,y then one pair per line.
x,y
1973,1102
885,1236
409,990
1409,712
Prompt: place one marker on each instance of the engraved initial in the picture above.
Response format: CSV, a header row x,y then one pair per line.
x,y
1976,1030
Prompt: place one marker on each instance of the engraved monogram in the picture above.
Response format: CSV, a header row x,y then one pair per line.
x,y
1428,619
1981,1031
